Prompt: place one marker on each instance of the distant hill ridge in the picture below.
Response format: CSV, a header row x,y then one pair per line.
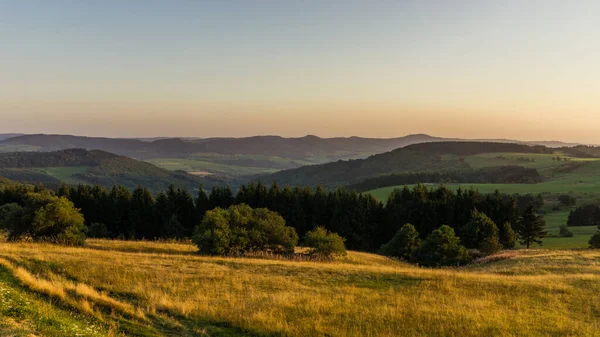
x,y
92,167
298,148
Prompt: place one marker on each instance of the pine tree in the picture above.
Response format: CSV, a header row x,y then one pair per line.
x,y
530,228
140,215
201,204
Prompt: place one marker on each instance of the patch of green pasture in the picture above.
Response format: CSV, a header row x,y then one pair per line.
x,y
538,161
65,174
574,242
193,165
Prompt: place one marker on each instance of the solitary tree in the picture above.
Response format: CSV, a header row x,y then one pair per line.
x,y
530,227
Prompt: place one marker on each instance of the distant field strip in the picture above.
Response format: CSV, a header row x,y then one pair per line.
x,y
65,174
192,165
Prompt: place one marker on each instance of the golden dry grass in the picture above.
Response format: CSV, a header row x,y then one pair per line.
x,y
167,287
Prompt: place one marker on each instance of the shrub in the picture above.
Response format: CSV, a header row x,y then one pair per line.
x,y
241,229
481,233
565,232
507,236
403,243
324,243
44,217
595,241
567,200
441,248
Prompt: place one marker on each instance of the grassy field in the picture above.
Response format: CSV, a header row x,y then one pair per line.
x,y
208,167
577,177
65,174
166,289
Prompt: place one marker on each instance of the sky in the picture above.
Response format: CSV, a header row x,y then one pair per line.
x,y
526,70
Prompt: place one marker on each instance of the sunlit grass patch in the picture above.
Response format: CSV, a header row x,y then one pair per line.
x,y
160,288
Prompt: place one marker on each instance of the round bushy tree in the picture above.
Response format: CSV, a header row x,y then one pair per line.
x,y
59,221
213,235
441,248
403,243
241,229
481,233
564,231
324,243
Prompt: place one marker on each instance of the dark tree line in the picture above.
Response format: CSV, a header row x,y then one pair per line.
x,y
489,175
364,222
587,215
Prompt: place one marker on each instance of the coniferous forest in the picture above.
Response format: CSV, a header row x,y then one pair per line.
x,y
365,222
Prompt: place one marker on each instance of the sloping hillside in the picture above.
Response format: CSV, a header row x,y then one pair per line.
x,y
92,167
4,136
424,157
237,158
6,181
167,289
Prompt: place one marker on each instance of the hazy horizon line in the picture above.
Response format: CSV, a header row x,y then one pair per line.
x,y
298,137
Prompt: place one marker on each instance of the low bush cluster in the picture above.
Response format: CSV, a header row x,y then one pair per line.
x,y
324,243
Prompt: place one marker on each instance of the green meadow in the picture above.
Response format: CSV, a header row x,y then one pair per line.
x,y
579,177
65,174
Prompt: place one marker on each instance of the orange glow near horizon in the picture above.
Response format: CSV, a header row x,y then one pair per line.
x,y
527,71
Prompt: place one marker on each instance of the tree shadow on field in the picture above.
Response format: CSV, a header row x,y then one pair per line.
x,y
132,249
183,326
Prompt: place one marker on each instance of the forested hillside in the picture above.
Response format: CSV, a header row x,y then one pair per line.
x,y
93,167
444,158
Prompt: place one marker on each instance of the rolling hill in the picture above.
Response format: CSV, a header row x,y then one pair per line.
x,y
305,148
229,157
440,157
4,136
92,167
145,288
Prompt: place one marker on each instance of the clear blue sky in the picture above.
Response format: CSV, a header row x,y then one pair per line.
x,y
516,69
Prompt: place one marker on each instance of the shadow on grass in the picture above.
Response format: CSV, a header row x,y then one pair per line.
x,y
147,250
163,324
178,325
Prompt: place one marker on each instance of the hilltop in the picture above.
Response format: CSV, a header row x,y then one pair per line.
x,y
91,167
